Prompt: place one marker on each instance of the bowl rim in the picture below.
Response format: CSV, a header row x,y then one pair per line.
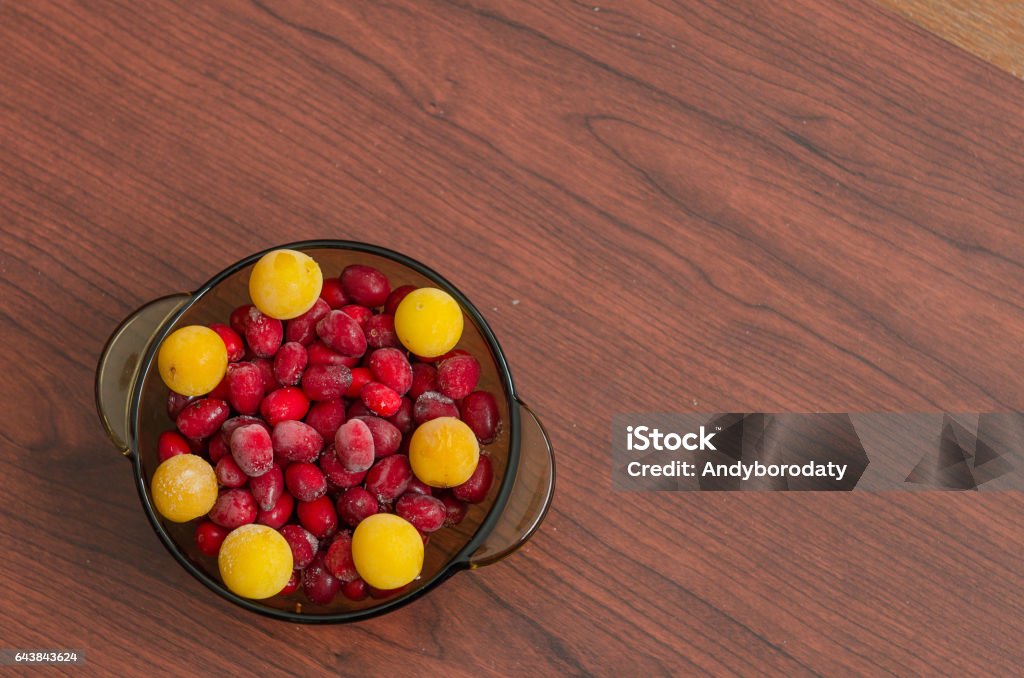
x,y
460,561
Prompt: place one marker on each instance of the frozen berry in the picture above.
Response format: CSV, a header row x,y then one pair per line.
x,y
267,488
296,441
263,334
240,318
455,509
302,543
171,443
353,445
365,285
176,403
403,418
424,378
395,298
305,481
234,508
289,363
229,426
386,436
361,376
266,368
388,478
339,557
320,354
380,332
319,585
358,409
209,536
355,590
432,405
245,387
217,448
457,376
232,341
417,486
475,490
326,382
358,313
333,294
390,367
303,328
326,416
284,404
318,516
480,412
278,514
229,474
252,449
381,400
202,418
336,473
426,513
355,505
222,389
341,333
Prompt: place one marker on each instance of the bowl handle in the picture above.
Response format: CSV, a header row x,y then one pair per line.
x,y
528,503
120,361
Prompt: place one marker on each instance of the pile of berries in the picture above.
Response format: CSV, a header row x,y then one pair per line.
x,y
324,432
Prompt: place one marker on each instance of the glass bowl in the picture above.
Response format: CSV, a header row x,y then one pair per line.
x,y
131,402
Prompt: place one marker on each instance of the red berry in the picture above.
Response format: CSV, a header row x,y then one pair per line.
x,y
232,341
424,378
320,354
198,445
296,441
336,473
381,400
355,505
263,334
234,508
252,449
176,403
386,437
365,285
355,590
395,298
475,490
245,387
432,405
170,444
268,488
353,445
319,585
390,367
326,416
341,333
209,536
289,363
479,410
458,376
303,328
302,543
380,332
240,318
292,586
332,293
218,449
202,418
326,382
318,516
361,376
221,390
279,514
426,513
284,404
358,409
455,508
417,486
358,313
388,478
339,557
403,418
266,368
229,426
305,481
228,472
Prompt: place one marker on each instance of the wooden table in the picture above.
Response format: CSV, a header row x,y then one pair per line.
x,y
773,205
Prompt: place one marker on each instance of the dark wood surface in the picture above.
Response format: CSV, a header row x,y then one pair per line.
x,y
799,205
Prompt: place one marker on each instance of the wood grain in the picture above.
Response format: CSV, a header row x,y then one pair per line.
x,y
991,29
781,205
